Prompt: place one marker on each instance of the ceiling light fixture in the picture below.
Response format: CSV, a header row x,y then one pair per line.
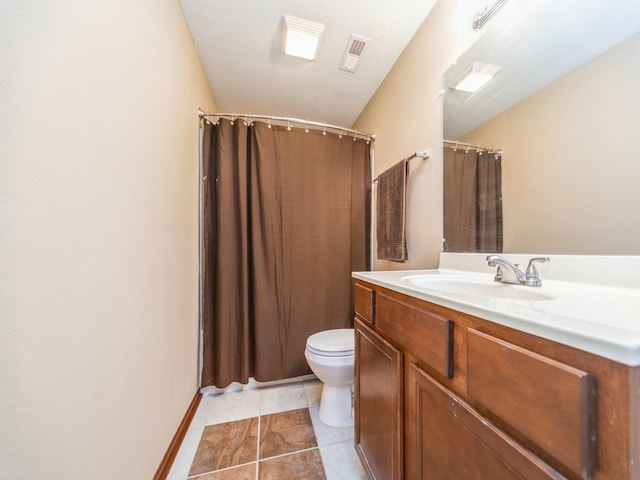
x,y
476,77
300,37
486,13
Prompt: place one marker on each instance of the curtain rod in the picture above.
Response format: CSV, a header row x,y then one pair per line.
x,y
476,147
337,128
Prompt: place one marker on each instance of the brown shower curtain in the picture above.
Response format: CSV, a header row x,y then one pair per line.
x,y
286,221
472,201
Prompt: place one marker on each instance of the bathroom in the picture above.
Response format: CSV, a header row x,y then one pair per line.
x,y
99,268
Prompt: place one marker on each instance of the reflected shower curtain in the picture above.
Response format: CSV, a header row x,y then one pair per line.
x,y
472,201
286,221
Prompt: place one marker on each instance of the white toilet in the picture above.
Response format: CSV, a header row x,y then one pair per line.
x,y
331,356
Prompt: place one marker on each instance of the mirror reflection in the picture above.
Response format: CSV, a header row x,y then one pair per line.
x,y
564,110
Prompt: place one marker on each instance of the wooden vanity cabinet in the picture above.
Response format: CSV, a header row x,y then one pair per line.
x,y
445,395
378,404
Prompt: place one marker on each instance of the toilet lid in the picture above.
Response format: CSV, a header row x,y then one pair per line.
x,y
332,343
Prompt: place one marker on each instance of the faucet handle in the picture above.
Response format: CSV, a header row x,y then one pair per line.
x,y
533,279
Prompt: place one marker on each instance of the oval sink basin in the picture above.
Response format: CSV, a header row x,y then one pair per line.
x,y
477,288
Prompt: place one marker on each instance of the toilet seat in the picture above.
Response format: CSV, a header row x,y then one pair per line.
x,y
332,343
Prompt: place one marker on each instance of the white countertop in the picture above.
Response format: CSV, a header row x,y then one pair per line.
x,y
597,318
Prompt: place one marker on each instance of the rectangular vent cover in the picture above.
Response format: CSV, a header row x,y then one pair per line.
x,y
356,47
352,53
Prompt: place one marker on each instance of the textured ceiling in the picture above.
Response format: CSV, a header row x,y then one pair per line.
x,y
239,43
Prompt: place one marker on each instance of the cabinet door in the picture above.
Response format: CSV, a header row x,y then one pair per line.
x,y
445,438
378,404
550,403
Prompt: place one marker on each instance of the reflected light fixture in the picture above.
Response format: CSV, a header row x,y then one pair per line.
x,y
300,37
476,77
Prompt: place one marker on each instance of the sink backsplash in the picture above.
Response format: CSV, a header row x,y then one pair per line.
x,y
607,270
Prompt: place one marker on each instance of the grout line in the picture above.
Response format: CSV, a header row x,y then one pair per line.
x,y
258,439
337,442
289,453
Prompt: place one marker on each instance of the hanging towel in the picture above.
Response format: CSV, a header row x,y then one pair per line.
x,y
391,212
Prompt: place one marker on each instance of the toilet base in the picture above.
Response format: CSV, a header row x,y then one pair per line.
x,y
336,406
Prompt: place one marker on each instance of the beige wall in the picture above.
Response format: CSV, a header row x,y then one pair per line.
x,y
571,163
406,115
98,244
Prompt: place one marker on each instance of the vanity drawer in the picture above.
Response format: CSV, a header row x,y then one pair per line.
x,y
550,403
427,336
364,302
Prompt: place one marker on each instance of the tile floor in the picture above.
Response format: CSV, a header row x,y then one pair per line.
x,y
268,433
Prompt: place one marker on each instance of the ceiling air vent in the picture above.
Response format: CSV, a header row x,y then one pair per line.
x,y
352,53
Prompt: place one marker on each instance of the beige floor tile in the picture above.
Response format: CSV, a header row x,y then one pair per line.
x,y
227,407
282,398
341,462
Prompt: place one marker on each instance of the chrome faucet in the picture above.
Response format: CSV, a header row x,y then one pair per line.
x,y
508,272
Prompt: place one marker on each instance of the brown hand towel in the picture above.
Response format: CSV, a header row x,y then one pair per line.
x,y
390,213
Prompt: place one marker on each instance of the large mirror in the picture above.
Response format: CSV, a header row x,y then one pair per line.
x,y
564,109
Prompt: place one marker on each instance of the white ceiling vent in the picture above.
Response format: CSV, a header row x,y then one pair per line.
x,y
352,53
